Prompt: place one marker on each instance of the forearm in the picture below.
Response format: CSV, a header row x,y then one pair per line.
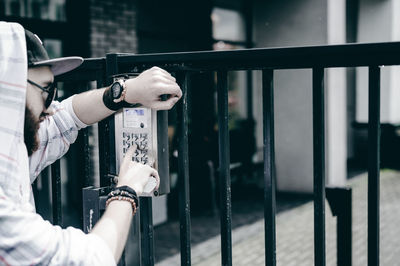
x,y
114,226
27,239
89,106
146,89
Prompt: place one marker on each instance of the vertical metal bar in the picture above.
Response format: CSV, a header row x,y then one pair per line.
x,y
83,140
269,168
56,193
249,85
373,164
84,159
248,13
344,230
183,171
87,163
340,200
109,128
103,152
319,165
91,208
147,232
163,152
248,162
251,141
103,129
224,170
111,69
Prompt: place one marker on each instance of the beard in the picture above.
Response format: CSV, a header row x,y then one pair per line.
x,y
31,127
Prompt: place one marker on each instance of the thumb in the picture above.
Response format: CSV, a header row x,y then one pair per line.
x,y
127,159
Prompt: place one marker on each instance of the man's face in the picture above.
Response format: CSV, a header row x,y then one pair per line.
x,y
35,97
35,110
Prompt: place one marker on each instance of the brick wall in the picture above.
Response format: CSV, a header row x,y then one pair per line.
x,y
112,27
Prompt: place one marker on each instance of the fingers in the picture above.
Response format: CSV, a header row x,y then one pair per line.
x,y
164,72
173,90
127,159
170,89
161,79
165,105
169,82
157,177
129,153
147,174
140,177
160,72
151,160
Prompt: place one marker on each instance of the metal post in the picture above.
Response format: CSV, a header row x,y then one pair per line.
x,y
104,130
163,152
110,156
269,168
91,207
56,193
319,165
147,231
111,69
224,170
340,201
183,171
373,164
87,164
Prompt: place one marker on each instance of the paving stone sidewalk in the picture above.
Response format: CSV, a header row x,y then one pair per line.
x,y
294,230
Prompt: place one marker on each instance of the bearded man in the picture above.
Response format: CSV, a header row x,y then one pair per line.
x,y
35,131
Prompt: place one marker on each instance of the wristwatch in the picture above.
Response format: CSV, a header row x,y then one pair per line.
x,y
114,96
118,90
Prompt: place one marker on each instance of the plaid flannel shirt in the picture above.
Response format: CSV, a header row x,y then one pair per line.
x,y
25,238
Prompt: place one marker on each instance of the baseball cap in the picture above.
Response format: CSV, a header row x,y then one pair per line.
x,y
37,56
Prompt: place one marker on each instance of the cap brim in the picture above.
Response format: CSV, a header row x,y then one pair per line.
x,y
61,65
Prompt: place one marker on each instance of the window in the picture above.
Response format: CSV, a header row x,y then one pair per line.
x,y
228,25
53,10
229,33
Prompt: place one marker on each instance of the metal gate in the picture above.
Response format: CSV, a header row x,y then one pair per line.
x,y
183,65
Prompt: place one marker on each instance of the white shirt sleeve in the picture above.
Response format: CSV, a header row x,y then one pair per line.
x,y
56,133
27,239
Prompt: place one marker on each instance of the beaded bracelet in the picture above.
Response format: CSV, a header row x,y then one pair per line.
x,y
126,192
132,201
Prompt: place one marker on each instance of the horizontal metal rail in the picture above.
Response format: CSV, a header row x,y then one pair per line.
x,y
346,55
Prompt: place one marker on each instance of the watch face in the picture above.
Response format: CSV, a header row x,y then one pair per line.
x,y
116,90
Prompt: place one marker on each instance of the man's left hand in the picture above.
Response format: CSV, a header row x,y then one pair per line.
x,y
149,87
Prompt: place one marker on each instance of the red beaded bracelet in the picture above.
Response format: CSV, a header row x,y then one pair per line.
x,y
132,201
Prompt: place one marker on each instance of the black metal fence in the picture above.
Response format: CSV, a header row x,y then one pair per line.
x,y
183,65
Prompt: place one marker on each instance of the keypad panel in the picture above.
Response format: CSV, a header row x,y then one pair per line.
x,y
141,154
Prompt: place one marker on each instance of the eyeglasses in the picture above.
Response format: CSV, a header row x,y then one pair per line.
x,y
50,89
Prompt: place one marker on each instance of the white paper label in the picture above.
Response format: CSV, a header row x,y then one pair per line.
x,y
135,118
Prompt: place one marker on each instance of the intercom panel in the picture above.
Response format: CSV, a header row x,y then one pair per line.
x,y
137,125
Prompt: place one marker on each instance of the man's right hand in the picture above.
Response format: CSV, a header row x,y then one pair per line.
x,y
136,175
149,86
113,227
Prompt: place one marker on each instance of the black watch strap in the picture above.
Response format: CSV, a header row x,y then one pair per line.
x,y
110,104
